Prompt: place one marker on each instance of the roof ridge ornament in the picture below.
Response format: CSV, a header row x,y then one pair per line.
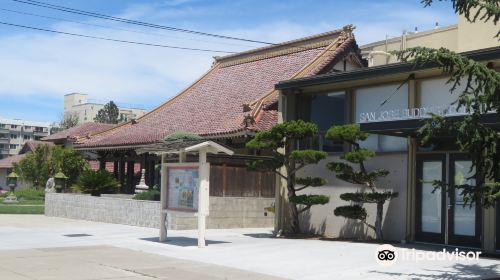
x,y
347,32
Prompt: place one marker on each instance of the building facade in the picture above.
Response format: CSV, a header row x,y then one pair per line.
x,y
388,100
230,103
15,133
78,104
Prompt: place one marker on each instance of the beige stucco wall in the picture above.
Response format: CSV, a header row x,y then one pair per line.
x,y
320,219
461,37
445,37
478,35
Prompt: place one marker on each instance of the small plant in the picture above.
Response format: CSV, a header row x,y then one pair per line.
x,y
97,182
153,195
345,171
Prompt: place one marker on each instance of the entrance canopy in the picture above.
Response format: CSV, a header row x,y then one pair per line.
x,y
409,127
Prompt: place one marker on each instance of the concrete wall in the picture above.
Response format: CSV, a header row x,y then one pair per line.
x,y
225,212
320,219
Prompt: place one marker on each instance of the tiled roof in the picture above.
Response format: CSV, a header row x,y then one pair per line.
x,y
31,145
9,161
213,105
81,130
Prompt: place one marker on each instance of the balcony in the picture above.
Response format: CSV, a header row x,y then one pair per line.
x,y
40,133
4,130
4,140
28,129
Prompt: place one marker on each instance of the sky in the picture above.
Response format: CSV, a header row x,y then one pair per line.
x,y
37,68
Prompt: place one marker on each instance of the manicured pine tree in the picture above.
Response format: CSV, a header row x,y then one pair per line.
x,y
346,171
280,141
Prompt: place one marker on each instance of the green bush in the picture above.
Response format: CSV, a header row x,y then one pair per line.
x,y
153,195
182,135
30,194
96,182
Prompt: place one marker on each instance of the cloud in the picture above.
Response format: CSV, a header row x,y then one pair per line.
x,y
51,65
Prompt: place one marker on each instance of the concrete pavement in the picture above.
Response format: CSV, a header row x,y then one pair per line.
x,y
105,262
250,250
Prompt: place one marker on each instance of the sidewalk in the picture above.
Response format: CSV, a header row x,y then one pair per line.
x,y
252,250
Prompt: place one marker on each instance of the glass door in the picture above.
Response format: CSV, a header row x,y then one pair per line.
x,y
430,201
464,226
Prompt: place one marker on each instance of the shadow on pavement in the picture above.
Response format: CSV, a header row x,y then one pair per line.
x,y
259,235
182,241
460,271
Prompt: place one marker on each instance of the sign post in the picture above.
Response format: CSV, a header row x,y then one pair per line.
x,y
203,197
186,186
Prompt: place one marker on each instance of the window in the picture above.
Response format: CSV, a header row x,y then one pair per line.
x,y
13,146
325,110
1,146
13,126
26,137
2,125
3,136
377,99
13,136
27,127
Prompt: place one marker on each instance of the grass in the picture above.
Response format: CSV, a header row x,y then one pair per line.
x,y
30,201
21,209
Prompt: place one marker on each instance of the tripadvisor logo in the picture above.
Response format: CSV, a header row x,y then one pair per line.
x,y
387,255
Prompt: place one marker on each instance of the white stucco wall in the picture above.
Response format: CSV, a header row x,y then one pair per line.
x,y
320,219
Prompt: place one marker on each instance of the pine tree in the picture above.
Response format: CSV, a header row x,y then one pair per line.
x,y
286,161
108,114
480,96
356,156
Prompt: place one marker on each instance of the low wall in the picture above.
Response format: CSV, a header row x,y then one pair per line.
x,y
225,212
103,209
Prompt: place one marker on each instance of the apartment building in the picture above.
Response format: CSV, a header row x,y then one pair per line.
x,y
14,133
79,104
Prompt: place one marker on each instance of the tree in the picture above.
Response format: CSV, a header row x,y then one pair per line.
x,y
68,120
351,134
36,167
70,162
480,96
108,114
45,161
96,182
280,142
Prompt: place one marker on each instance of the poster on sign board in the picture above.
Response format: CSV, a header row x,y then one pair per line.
x,y
182,188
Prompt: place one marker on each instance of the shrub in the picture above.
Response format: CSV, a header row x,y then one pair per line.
x,y
30,194
96,182
182,135
153,195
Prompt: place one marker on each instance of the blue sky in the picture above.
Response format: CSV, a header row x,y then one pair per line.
x,y
38,68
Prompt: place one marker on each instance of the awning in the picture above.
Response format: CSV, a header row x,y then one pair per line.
x,y
409,128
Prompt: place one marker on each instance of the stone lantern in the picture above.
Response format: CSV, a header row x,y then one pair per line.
x,y
12,184
12,180
60,181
